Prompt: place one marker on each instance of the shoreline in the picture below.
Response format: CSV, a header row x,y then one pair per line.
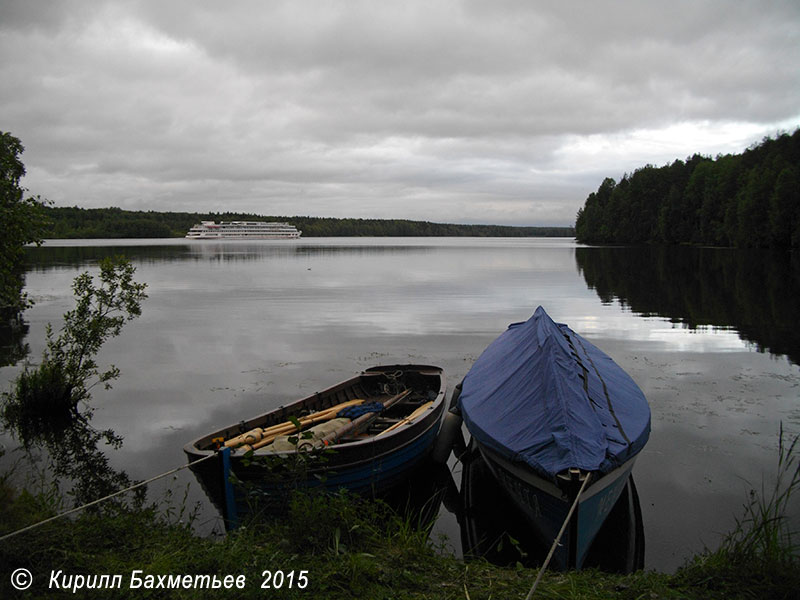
x,y
336,546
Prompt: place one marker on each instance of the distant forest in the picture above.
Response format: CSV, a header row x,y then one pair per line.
x,y
742,200
117,223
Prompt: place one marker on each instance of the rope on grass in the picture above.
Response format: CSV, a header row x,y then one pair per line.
x,y
103,499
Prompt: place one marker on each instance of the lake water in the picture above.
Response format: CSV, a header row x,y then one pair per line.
x,y
231,329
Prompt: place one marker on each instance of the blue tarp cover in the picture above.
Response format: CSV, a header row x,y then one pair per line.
x,y
543,395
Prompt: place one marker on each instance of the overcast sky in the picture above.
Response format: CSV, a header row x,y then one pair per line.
x,y
448,111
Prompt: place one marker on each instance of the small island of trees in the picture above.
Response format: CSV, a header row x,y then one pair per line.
x,y
743,200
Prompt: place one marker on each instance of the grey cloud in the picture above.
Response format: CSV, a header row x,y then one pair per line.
x,y
445,111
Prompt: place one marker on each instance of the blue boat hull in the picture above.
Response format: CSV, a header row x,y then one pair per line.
x,y
372,477
493,527
546,506
369,465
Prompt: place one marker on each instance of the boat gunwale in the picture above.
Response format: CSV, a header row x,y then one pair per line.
x,y
526,474
429,419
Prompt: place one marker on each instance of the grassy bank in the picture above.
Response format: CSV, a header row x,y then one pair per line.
x,y
338,548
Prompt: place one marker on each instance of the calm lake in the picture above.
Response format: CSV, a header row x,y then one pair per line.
x,y
231,329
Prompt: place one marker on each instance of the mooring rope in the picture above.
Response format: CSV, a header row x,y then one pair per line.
x,y
558,537
104,498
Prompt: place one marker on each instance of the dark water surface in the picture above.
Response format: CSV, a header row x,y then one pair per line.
x,y
231,329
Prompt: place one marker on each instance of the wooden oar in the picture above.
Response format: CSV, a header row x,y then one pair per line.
x,y
271,437
362,421
352,426
425,407
322,415
272,433
258,434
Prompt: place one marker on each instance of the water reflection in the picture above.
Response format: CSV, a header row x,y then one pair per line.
x,y
56,254
73,447
752,291
12,342
494,529
223,337
491,528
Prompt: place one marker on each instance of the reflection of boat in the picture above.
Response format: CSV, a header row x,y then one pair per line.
x,y
402,406
493,528
427,486
556,420
242,230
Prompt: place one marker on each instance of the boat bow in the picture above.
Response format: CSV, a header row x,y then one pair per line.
x,y
542,395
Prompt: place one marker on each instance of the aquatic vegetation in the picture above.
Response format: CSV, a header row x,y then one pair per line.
x,y
48,406
761,548
48,395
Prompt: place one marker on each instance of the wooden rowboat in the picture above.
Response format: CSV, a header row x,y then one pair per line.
x,y
313,443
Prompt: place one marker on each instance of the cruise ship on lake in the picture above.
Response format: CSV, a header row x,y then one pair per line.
x,y
242,230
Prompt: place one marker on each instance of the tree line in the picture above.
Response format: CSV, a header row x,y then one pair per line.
x,y
750,199
74,222
22,221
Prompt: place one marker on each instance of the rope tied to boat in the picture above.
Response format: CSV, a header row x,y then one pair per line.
x,y
557,541
394,385
353,412
104,498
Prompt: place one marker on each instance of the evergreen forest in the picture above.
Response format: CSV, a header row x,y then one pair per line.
x,y
94,223
742,200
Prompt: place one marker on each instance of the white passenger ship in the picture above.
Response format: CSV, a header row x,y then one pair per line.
x,y
242,230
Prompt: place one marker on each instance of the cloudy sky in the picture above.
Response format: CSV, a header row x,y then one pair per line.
x,y
495,111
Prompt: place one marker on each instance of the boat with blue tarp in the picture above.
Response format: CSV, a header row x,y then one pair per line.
x,y
558,423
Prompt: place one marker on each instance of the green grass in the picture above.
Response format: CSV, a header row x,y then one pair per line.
x,y
349,549
354,549
760,553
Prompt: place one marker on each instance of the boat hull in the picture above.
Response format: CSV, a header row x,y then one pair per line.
x,y
493,527
369,466
545,506
242,230
249,236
